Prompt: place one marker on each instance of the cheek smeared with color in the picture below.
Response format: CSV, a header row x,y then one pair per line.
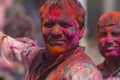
x,y
74,31
118,42
45,34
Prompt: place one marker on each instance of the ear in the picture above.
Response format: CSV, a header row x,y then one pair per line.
x,y
81,32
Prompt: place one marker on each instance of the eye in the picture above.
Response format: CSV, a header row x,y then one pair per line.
x,y
65,24
49,24
116,34
102,34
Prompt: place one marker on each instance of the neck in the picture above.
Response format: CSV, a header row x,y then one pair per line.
x,y
69,52
51,59
65,54
112,64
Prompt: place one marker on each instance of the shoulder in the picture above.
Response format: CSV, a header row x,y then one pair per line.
x,y
37,61
39,57
103,70
101,66
113,78
83,71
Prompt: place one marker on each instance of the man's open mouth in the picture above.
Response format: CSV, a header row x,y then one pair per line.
x,y
56,42
109,49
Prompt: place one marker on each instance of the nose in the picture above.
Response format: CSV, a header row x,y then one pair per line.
x,y
56,31
109,39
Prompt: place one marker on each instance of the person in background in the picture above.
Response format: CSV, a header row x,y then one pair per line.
x,y
62,24
109,45
19,25
4,5
31,8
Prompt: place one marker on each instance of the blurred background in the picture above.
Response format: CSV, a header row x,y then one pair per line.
x,y
94,9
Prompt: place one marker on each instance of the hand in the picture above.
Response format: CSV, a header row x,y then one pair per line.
x,y
2,36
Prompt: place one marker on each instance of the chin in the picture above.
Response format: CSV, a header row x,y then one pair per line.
x,y
112,55
55,50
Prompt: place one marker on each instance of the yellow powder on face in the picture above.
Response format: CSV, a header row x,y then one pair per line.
x,y
55,50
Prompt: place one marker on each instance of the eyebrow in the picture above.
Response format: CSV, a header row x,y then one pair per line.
x,y
111,25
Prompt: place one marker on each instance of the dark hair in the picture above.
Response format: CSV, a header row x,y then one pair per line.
x,y
19,25
65,6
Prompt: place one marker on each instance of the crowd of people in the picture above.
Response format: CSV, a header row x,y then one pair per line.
x,y
61,57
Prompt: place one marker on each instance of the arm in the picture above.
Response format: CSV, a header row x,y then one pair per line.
x,y
20,50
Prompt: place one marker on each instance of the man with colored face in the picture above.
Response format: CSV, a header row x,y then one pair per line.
x,y
109,44
62,24
60,32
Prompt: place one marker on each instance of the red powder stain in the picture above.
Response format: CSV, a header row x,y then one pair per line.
x,y
56,13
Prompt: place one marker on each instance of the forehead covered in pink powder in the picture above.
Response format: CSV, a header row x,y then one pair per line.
x,y
67,9
60,14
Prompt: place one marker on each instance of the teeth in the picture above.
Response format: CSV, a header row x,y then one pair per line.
x,y
110,48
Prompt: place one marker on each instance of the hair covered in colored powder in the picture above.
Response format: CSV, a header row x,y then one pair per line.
x,y
109,18
68,7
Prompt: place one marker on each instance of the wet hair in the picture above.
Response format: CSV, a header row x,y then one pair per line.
x,y
110,18
19,25
72,7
